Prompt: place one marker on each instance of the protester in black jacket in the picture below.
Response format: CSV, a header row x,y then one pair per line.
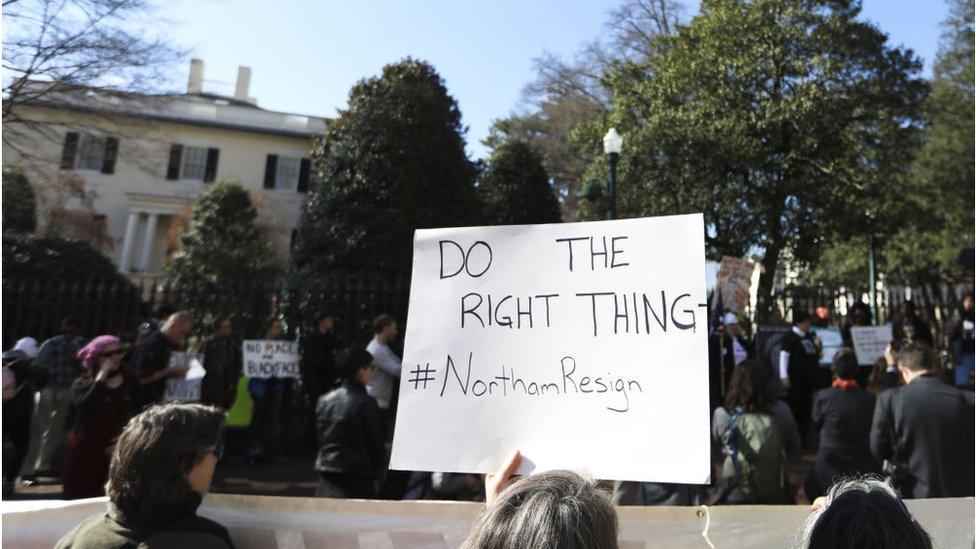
x,y
18,407
150,360
962,339
222,361
319,354
925,430
799,362
842,414
351,454
728,348
911,328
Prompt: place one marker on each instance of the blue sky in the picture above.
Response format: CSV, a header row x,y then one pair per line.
x,y
306,55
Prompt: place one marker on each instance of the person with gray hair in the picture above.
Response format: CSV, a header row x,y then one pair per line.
x,y
865,513
552,509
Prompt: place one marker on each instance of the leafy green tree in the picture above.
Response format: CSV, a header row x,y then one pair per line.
x,y
391,163
225,266
515,187
787,122
941,194
936,203
19,203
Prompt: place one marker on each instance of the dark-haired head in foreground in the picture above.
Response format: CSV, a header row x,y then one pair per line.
x,y
554,509
863,513
161,461
161,468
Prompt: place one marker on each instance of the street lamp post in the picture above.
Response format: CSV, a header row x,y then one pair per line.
x,y
612,143
872,287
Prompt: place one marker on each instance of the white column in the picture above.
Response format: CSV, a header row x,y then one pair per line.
x,y
130,236
148,242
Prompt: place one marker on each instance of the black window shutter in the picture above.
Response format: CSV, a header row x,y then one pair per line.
x,y
303,173
270,168
69,150
175,158
211,172
111,153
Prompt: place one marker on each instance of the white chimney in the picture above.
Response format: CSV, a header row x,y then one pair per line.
x,y
243,83
195,85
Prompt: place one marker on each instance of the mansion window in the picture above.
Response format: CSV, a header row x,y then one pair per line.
x,y
286,173
86,151
192,163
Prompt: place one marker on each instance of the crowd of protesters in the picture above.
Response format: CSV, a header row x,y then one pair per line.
x,y
164,460
902,418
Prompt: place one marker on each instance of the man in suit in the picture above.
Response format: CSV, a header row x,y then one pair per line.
x,y
925,430
799,360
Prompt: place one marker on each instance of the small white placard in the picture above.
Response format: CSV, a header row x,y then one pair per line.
x,y
870,342
270,358
832,341
186,389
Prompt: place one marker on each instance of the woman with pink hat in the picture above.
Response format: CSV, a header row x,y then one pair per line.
x,y
102,407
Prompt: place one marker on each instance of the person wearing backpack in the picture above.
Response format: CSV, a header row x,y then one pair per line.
x,y
21,379
758,435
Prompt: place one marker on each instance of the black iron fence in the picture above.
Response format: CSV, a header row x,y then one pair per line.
x,y
35,307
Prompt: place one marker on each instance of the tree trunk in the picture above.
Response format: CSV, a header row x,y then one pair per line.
x,y
765,303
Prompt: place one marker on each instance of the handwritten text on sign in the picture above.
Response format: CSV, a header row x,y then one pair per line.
x,y
582,345
267,358
870,342
186,389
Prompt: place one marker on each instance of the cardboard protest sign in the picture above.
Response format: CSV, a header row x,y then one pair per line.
x,y
266,358
832,341
186,389
583,345
733,282
870,342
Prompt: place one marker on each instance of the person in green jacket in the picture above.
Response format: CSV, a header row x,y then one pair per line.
x,y
161,468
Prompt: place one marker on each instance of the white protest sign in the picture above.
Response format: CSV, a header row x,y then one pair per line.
x,y
870,342
583,345
270,358
832,341
187,388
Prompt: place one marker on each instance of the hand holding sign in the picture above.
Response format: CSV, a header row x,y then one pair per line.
x,y
589,333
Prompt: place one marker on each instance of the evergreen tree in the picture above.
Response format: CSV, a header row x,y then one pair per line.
x,y
391,163
515,187
789,123
225,266
19,203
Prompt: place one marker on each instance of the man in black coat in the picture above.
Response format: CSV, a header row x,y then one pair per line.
x,y
799,360
351,456
925,430
911,327
727,347
18,407
319,355
150,360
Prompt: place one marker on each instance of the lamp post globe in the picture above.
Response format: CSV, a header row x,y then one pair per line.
x,y
612,144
